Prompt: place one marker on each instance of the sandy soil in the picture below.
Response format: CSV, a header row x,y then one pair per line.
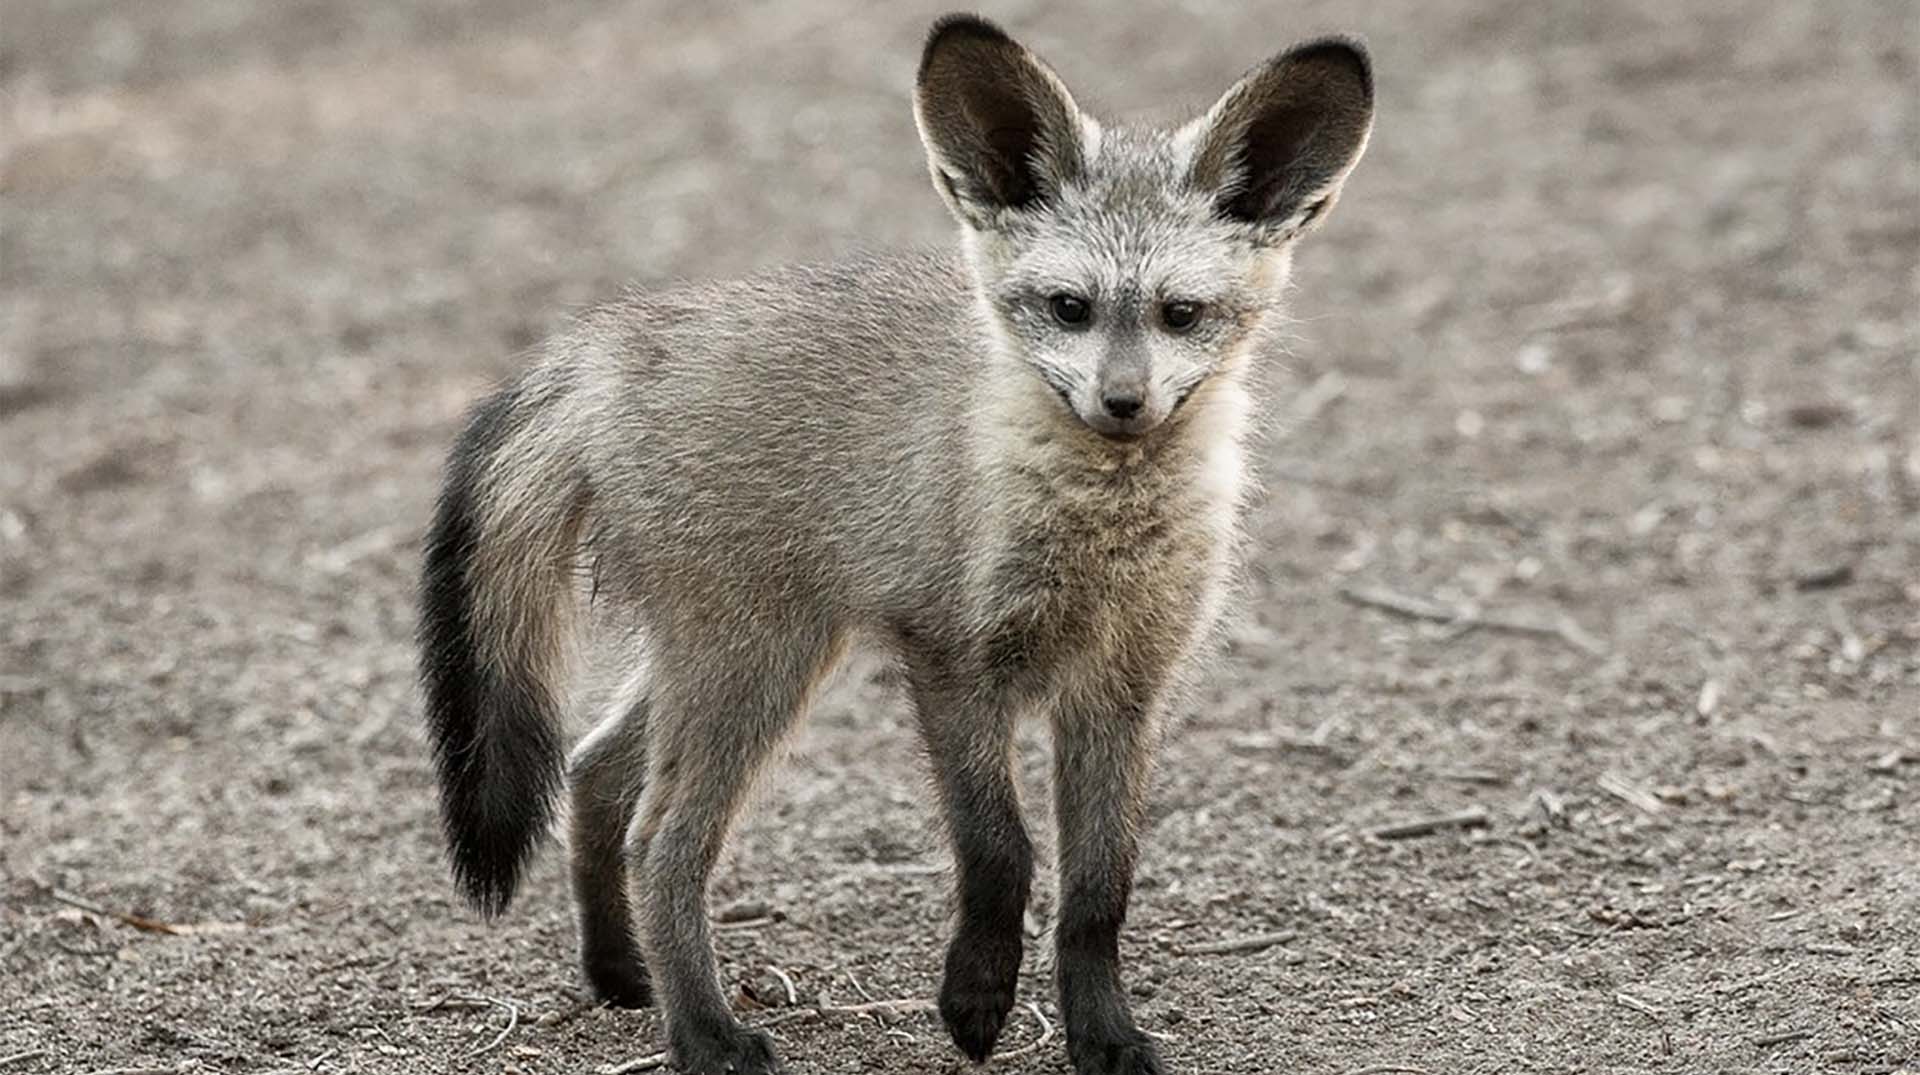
x,y
1616,323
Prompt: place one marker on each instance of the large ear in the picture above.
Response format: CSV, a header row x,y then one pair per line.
x,y
1277,146
1001,131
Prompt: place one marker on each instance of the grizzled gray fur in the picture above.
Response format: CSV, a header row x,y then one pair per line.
x,y
1017,467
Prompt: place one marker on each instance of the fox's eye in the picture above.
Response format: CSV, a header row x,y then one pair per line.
x,y
1069,309
1180,316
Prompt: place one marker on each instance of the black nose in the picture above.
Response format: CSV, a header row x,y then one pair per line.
x,y
1122,405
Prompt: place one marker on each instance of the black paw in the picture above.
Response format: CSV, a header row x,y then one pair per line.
x,y
1131,1054
619,980
737,1051
977,993
975,1020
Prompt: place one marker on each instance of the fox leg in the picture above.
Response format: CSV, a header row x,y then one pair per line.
x,y
606,775
1103,743
970,744
720,704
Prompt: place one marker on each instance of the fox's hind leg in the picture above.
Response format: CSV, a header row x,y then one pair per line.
x,y
722,701
606,774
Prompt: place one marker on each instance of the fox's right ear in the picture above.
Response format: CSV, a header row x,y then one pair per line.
x,y
1002,132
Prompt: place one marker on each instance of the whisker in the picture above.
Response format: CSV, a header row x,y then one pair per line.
x,y
1056,378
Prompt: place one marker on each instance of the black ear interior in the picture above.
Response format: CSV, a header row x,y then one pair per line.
x,y
1011,134
1002,131
1283,138
1274,140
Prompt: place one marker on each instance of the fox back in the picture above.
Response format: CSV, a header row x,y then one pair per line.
x,y
877,435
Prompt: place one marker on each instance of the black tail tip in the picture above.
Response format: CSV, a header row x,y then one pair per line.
x,y
489,860
490,896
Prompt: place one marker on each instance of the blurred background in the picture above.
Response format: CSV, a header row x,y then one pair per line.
x,y
1570,724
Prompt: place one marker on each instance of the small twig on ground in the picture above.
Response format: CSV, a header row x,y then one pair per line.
x,y
743,911
791,1015
1727,989
1568,630
883,1009
1388,1069
1237,945
1782,1038
513,1020
793,996
907,1006
859,988
1418,608
745,924
1465,619
1628,1000
1892,760
1630,793
652,1062
1264,742
21,1057
1473,776
1472,817
453,1002
1046,1035
140,922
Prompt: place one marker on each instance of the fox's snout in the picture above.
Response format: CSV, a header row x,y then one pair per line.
x,y
1122,399
1122,410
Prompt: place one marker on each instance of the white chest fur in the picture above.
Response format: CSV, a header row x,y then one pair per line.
x,y
1097,554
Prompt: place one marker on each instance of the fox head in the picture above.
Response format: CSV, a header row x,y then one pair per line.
x,y
1126,266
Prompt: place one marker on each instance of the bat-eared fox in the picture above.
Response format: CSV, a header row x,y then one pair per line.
x,y
1016,467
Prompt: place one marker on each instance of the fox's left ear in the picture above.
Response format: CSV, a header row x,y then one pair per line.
x,y
1278,145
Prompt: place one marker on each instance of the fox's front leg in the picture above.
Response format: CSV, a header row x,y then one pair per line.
x,y
970,743
1103,744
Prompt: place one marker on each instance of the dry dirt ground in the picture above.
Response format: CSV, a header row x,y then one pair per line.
x,y
1616,323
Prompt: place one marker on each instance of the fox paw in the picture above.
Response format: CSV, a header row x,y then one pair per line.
x,y
975,1020
735,1052
976,995
1133,1054
620,982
